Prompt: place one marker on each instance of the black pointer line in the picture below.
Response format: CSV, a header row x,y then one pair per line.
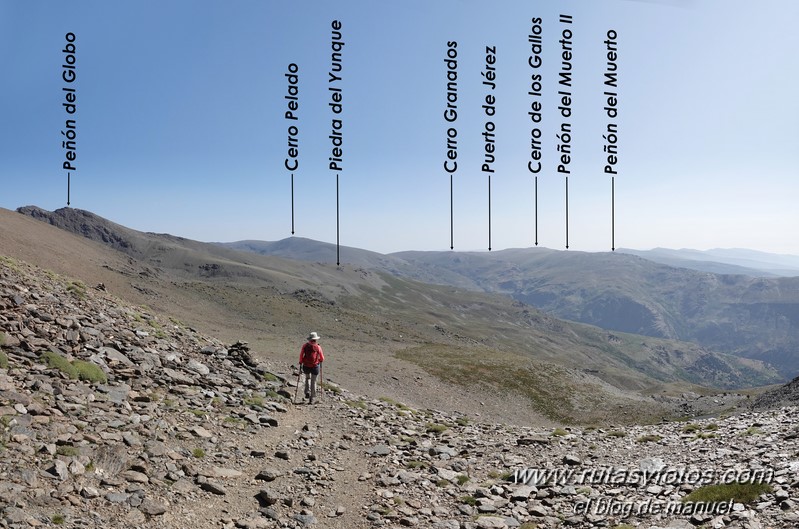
x,y
536,211
451,214
292,203
567,212
489,212
613,213
338,246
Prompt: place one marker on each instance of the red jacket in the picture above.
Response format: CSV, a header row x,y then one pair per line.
x,y
311,354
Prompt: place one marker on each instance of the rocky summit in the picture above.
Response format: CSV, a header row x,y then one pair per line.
x,y
112,416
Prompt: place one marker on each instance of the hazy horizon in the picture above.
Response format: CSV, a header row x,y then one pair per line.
x,y
707,251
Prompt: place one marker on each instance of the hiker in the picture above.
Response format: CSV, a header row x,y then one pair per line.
x,y
311,358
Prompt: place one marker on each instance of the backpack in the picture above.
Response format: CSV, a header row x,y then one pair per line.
x,y
310,355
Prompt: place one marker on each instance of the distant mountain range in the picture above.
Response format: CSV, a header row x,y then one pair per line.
x,y
748,310
730,261
652,327
724,261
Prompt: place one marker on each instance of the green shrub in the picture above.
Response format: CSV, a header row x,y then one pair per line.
x,y
416,464
67,450
177,322
462,479
356,404
617,433
11,263
690,428
433,427
651,438
199,453
269,377
58,519
3,358
77,369
56,361
77,288
469,500
89,372
254,401
158,330
559,432
753,430
332,388
724,492
389,400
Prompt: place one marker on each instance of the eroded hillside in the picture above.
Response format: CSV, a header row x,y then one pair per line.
x,y
113,416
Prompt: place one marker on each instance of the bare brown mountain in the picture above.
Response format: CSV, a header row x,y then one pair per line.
x,y
388,335
720,306
751,317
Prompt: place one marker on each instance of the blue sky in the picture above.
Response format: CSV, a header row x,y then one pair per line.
x,y
180,127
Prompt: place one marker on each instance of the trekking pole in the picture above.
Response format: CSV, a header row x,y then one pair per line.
x,y
321,382
297,389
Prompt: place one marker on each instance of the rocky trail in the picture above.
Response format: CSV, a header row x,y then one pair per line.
x,y
114,417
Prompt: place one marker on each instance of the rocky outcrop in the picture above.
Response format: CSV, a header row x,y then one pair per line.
x,y
109,413
86,224
437,470
786,395
111,416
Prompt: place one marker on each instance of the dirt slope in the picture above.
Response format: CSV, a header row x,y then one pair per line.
x,y
274,325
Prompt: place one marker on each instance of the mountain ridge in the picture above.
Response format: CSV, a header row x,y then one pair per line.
x,y
744,313
362,307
